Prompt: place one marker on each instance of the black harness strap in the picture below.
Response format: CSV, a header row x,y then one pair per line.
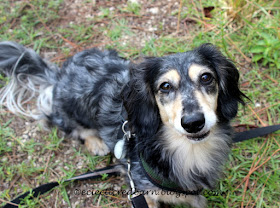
x,y
139,202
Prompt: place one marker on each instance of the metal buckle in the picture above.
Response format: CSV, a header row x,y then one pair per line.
x,y
128,135
131,182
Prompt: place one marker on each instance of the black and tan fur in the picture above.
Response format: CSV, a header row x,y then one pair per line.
x,y
178,106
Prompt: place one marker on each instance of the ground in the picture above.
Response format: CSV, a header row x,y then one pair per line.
x,y
246,31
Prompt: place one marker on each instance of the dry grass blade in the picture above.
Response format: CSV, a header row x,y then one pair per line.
x,y
260,120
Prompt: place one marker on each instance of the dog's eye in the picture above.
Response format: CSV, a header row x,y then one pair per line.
x,y
206,78
165,87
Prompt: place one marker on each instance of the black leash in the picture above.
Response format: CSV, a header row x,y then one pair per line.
x,y
112,170
253,133
138,201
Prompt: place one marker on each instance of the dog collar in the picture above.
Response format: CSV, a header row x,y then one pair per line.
x,y
163,182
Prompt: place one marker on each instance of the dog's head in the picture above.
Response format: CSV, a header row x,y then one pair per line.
x,y
190,92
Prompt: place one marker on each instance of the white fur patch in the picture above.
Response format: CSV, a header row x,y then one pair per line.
x,y
45,100
19,92
189,156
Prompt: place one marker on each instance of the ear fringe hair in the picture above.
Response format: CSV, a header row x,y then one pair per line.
x,y
140,101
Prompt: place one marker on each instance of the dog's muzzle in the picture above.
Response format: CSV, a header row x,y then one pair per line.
x,y
193,124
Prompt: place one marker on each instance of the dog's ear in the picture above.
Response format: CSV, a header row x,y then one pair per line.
x,y
140,103
228,77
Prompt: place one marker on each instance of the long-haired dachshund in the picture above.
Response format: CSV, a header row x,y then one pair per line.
x,y
178,108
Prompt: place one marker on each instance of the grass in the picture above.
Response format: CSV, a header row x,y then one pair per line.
x,y
246,31
132,7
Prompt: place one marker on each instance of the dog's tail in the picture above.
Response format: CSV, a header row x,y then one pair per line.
x,y
30,76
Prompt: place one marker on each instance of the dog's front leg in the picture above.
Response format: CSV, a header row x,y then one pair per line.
x,y
196,201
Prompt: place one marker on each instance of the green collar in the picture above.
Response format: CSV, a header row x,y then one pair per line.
x,y
162,182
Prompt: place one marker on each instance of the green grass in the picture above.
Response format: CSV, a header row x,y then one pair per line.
x,y
246,31
132,7
118,29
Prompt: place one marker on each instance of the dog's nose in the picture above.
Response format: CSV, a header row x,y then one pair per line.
x,y
193,123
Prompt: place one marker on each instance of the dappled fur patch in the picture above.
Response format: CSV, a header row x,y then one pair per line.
x,y
179,107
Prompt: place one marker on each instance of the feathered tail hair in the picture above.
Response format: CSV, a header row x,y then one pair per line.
x,y
30,76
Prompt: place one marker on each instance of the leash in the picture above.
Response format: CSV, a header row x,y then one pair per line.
x,y
115,170
253,133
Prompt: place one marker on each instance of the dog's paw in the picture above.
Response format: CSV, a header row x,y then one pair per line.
x,y
199,202
151,202
96,146
194,201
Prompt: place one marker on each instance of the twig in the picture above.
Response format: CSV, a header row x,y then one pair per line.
x,y
252,171
263,109
7,202
261,191
14,138
273,80
47,164
252,165
256,168
13,182
179,16
194,6
202,10
263,124
276,142
230,41
36,13
71,43
256,182
267,159
48,29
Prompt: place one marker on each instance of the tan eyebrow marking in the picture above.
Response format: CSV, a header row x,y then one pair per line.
x,y
171,75
195,70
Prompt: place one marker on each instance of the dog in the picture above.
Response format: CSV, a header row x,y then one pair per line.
x,y
178,108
